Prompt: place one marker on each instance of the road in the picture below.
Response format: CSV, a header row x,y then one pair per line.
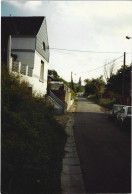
x,y
104,150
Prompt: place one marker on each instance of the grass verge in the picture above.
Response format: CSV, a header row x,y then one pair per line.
x,y
104,102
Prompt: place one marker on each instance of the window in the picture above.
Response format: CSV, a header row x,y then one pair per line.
x,y
43,46
42,71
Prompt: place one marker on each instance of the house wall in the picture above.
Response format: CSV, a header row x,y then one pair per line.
x,y
23,42
26,58
24,48
42,36
26,54
39,85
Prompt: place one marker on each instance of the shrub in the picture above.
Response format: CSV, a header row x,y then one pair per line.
x,y
106,102
32,141
93,98
73,95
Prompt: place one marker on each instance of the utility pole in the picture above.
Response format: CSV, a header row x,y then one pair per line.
x,y
123,77
80,81
71,81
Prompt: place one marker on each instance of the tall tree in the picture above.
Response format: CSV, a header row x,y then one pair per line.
x,y
108,70
95,86
114,83
53,73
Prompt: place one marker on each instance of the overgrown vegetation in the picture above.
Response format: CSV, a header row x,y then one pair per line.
x,y
32,141
107,103
107,94
114,83
93,98
95,86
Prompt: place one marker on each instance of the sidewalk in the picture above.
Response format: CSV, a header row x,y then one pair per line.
x,y
71,176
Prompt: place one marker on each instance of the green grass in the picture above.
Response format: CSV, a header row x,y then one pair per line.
x,y
104,102
32,141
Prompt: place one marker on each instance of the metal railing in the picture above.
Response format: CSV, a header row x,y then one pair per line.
x,y
23,69
30,72
57,100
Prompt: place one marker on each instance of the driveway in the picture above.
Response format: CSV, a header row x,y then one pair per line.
x,y
104,150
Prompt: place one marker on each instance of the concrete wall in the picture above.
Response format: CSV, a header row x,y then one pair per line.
x,y
63,94
68,97
42,36
60,94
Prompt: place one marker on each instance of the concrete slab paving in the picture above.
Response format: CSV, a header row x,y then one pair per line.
x,y
71,161
71,155
70,149
71,169
73,184
71,175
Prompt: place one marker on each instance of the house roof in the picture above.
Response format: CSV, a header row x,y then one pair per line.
x,y
21,25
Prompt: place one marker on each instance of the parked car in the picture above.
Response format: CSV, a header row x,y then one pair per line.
x,y
115,109
124,116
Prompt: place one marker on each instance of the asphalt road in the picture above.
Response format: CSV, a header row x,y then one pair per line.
x,y
104,150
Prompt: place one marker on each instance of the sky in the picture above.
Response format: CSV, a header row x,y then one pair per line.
x,y
98,27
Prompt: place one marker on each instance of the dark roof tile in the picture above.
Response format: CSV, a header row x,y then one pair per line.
x,y
21,25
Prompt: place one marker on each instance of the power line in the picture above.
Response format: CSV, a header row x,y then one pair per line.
x,y
65,52
102,65
81,50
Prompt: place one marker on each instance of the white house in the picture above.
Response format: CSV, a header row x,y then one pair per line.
x,y
26,48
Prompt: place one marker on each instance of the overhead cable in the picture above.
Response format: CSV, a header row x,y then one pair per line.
x,y
81,50
101,66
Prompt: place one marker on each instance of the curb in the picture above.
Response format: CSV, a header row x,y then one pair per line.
x,y
71,175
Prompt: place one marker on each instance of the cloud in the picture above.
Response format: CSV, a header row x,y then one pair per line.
x,y
110,16
86,9
82,25
26,5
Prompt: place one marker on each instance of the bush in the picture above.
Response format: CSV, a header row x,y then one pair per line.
x,y
32,141
93,98
106,102
73,95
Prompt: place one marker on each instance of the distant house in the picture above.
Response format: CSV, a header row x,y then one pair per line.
x,y
60,94
25,49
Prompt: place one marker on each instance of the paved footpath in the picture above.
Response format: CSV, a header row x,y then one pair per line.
x,y
71,176
104,150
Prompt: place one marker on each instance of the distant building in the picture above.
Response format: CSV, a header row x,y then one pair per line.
x,y
60,95
25,49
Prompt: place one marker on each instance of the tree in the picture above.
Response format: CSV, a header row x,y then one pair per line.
x,y
79,88
108,70
56,77
53,73
114,83
95,86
